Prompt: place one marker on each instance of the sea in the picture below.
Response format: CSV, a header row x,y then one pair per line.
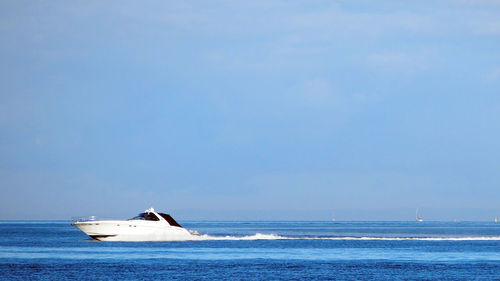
x,y
258,250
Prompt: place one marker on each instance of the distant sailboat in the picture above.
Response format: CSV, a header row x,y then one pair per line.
x,y
417,218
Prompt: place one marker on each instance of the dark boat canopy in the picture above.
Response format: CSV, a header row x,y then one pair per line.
x,y
146,217
170,220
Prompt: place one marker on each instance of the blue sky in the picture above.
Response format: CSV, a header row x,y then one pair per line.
x,y
250,109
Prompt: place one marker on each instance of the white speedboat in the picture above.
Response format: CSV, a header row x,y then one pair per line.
x,y
147,226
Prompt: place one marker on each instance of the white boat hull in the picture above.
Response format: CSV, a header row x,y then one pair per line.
x,y
147,226
133,231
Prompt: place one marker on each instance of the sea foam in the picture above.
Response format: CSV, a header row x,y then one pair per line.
x,y
261,236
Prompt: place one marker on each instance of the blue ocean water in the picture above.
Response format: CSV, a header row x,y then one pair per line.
x,y
54,250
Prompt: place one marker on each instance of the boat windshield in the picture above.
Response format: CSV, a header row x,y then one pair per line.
x,y
146,217
170,220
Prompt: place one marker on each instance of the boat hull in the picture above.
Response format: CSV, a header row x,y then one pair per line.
x,y
133,231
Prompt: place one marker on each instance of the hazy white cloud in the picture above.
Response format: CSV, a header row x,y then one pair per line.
x,y
289,33
335,189
486,26
493,75
399,62
479,2
317,92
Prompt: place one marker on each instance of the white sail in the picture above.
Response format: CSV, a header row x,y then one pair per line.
x,y
417,218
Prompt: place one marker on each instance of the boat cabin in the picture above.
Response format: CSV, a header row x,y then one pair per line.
x,y
152,216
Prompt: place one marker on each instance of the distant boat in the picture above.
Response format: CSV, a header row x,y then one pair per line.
x,y
417,218
495,220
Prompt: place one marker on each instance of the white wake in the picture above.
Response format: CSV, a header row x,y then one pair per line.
x,y
257,236
261,236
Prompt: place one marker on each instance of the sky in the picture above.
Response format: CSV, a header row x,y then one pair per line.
x,y
250,110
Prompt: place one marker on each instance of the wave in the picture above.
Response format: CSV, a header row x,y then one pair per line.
x,y
257,236
261,236
479,238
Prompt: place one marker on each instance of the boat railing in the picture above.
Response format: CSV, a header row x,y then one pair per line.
x,y
83,219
